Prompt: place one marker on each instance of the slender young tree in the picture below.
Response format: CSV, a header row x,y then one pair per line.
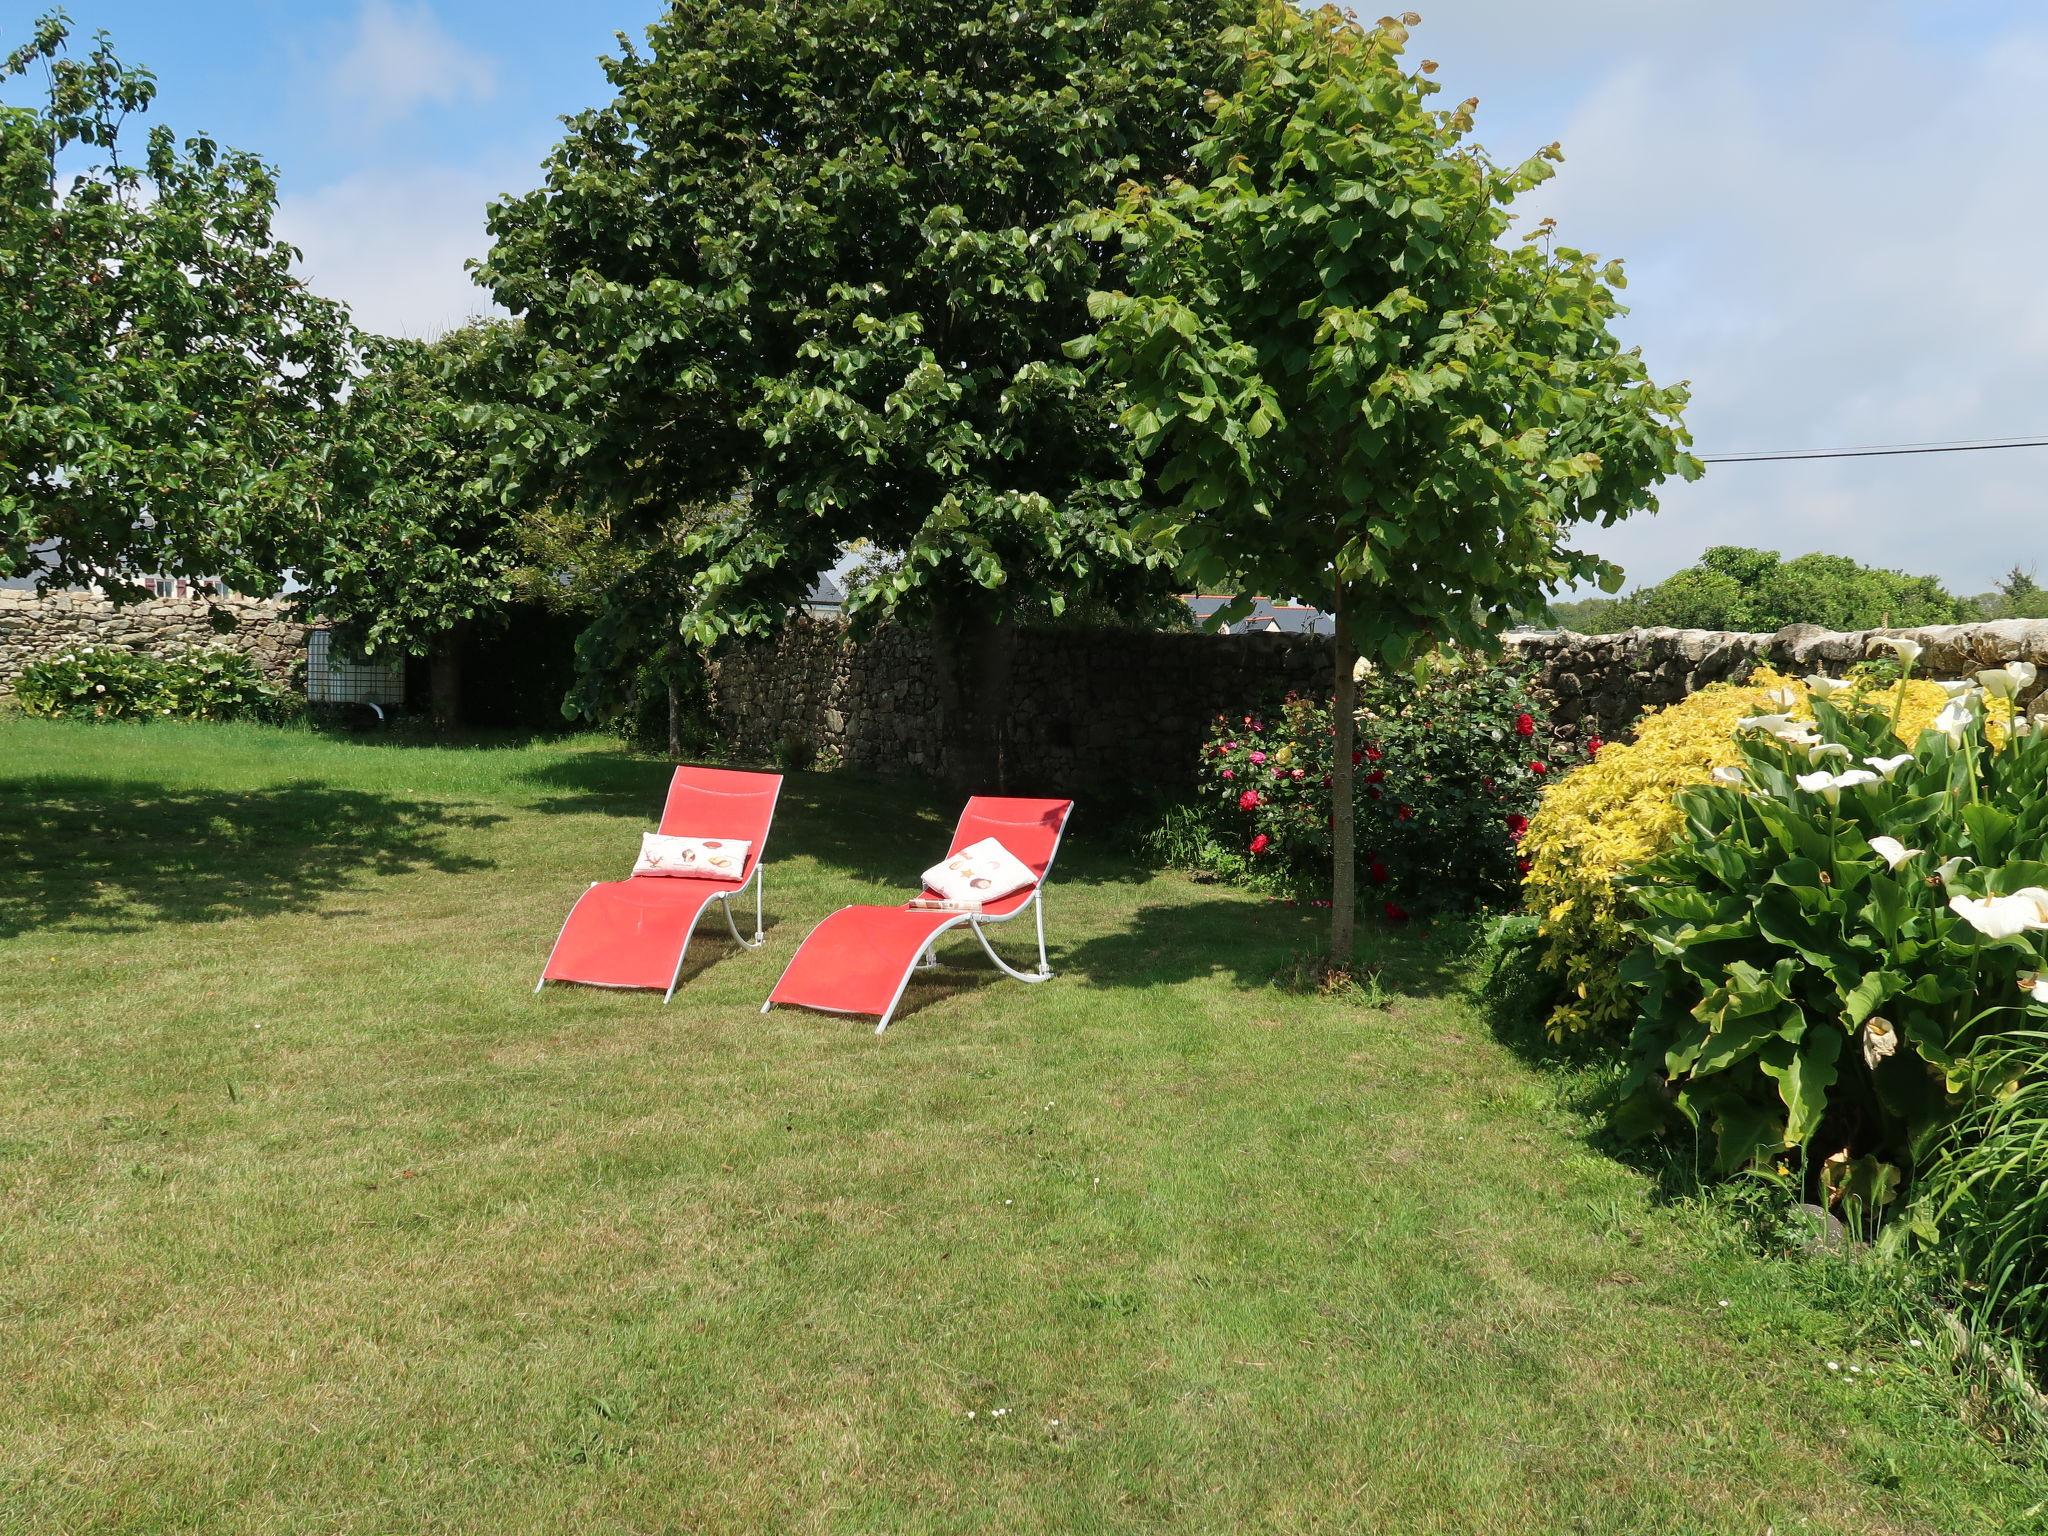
x,y
1351,384
814,261
164,376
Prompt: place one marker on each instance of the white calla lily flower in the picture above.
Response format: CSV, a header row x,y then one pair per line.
x,y
2004,917
1958,690
1908,651
1879,1041
1830,785
1770,723
2004,682
1888,766
1892,851
1822,687
1784,698
1821,749
1728,776
2036,986
1955,719
1947,870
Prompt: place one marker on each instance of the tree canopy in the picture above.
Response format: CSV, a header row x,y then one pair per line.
x,y
816,261
410,544
1735,588
164,372
1353,387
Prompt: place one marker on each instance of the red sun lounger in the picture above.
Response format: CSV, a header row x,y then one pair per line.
x,y
860,959
633,933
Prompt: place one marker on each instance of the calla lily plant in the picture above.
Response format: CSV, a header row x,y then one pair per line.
x,y
1826,944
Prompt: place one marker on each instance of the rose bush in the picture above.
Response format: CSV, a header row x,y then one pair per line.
x,y
1450,760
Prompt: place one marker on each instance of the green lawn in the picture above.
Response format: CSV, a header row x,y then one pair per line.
x,y
314,1218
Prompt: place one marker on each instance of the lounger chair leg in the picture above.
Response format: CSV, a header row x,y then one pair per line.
x,y
1044,971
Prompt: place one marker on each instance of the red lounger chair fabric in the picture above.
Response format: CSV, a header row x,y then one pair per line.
x,y
634,932
859,960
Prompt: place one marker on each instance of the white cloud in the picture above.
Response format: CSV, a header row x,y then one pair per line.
x,y
391,245
1829,228
396,59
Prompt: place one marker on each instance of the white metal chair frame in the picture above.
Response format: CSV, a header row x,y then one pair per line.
x,y
928,959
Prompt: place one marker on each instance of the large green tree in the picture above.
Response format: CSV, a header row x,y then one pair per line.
x,y
410,545
1734,587
1354,388
163,373
814,263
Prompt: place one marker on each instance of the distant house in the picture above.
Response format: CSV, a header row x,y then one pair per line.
x,y
826,599
1267,617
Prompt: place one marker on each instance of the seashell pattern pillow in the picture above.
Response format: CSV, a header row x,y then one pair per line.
x,y
984,871
697,858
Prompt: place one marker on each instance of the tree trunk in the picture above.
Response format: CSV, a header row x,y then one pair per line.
x,y
444,676
972,650
675,721
1343,799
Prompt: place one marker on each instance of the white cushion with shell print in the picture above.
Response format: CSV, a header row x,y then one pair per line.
x,y
984,871
695,858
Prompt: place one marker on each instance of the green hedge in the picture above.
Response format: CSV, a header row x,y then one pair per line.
x,y
104,683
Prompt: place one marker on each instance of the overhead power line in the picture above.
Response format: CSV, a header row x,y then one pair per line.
x,y
1875,450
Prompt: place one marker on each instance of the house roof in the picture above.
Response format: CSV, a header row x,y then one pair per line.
x,y
1286,618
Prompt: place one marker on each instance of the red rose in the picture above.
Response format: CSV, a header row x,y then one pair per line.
x,y
1402,813
1525,725
1248,801
1522,866
1357,758
1539,767
1518,826
1395,914
1230,773
1261,843
1593,746
1377,776
1372,754
1378,873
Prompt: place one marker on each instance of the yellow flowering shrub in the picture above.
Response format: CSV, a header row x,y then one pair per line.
x,y
1609,815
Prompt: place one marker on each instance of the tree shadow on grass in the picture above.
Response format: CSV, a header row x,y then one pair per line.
x,y
123,856
1255,943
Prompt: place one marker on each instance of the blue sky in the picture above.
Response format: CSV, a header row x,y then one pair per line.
x,y
1830,211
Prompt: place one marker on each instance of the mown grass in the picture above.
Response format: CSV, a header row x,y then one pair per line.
x,y
314,1218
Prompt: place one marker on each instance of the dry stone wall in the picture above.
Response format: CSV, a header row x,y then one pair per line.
x,y
1093,709
1602,683
34,627
1088,708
